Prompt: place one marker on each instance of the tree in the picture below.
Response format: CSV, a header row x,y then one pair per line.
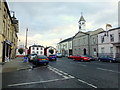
x,y
51,51
21,50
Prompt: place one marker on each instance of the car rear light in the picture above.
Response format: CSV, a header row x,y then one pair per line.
x,y
47,59
50,56
39,59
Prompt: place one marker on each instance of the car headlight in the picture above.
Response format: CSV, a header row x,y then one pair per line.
x,y
113,58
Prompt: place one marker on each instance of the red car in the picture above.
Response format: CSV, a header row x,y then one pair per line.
x,y
82,58
71,57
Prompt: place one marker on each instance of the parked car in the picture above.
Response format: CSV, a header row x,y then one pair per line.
x,y
107,58
52,57
31,56
92,58
71,57
59,55
40,59
82,58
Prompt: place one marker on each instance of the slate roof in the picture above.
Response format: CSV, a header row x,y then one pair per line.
x,y
82,19
36,46
65,40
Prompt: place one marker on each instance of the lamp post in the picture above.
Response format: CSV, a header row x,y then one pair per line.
x,y
26,42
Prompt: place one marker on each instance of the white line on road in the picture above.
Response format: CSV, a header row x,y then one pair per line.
x,y
59,72
107,70
20,84
87,83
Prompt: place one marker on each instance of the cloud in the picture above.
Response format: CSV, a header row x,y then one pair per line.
x,y
49,21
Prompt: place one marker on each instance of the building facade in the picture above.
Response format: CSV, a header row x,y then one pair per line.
x,y
8,32
81,43
94,42
65,47
36,49
109,42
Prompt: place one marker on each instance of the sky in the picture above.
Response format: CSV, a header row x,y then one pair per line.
x,y
48,22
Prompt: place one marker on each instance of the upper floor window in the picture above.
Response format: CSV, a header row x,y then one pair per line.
x,y
33,48
94,41
37,48
83,41
33,52
41,48
112,37
102,39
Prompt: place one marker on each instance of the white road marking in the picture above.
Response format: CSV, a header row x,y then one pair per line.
x,y
87,83
20,84
67,76
107,70
59,72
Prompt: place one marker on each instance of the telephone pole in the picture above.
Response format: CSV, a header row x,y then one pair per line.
x,y
26,42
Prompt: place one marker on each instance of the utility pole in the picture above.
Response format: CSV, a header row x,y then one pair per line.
x,y
26,42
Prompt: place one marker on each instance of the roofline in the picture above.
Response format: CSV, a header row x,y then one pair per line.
x,y
68,39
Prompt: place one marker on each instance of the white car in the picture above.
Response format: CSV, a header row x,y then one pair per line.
x,y
59,55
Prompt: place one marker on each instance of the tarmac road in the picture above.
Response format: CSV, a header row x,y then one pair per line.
x,y
65,73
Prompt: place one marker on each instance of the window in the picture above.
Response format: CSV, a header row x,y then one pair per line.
x,y
33,52
37,52
112,37
83,41
102,39
95,53
102,50
41,52
94,40
111,49
33,48
37,48
41,48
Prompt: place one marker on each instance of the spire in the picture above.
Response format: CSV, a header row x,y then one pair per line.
x,y
82,18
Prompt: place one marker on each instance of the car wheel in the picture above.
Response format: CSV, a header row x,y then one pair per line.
x,y
110,61
45,64
82,60
99,60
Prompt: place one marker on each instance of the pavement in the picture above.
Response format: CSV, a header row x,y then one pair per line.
x,y
15,64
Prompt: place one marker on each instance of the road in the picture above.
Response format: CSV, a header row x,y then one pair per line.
x,y
65,73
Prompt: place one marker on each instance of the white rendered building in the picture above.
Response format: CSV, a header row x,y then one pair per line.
x,y
109,42
36,49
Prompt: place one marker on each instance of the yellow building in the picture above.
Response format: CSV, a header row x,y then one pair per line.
x,y
8,32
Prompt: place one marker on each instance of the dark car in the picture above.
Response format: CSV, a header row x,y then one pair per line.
x,y
40,59
107,58
52,57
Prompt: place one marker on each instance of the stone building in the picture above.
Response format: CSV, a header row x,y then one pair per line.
x,y
8,32
94,42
